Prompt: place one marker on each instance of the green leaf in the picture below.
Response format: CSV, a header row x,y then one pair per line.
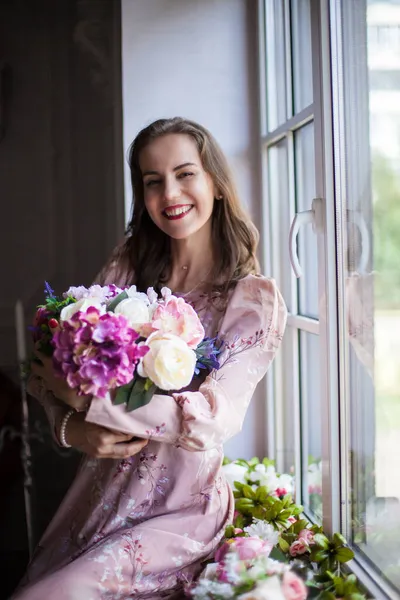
x,y
244,505
114,303
139,396
338,540
344,554
238,485
123,393
261,494
318,555
321,541
248,492
339,586
284,546
327,596
229,531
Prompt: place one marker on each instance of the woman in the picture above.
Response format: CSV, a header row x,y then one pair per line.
x,y
140,527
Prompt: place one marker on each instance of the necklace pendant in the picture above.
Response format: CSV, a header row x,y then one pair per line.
x,y
185,268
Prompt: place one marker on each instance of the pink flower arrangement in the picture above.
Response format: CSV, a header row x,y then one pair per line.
x,y
243,563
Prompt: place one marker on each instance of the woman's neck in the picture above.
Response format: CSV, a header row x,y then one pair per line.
x,y
192,262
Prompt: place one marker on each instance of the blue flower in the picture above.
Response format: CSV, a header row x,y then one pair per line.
x,y
207,354
49,292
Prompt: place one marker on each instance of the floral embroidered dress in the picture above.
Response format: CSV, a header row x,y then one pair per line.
x,y
141,527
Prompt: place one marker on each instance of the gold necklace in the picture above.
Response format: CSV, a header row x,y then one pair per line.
x,y
198,284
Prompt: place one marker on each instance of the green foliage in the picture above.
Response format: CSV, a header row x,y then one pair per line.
x,y
135,394
114,303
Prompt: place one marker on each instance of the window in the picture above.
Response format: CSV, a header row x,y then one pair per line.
x,y
330,112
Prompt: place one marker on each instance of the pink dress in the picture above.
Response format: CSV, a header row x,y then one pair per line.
x,y
141,527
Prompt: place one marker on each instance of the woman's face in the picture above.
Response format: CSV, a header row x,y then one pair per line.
x,y
178,193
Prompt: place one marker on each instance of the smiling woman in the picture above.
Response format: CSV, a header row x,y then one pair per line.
x,y
142,526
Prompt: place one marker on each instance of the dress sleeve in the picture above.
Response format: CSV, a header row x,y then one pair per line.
x,y
55,409
252,331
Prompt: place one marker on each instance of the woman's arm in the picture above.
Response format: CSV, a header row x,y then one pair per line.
x,y
252,328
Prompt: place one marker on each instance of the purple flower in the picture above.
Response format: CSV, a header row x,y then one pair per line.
x,y
96,353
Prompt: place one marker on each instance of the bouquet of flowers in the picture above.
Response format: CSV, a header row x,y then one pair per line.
x,y
105,338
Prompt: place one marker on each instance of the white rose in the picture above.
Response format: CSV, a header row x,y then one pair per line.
x,y
269,589
81,306
169,363
234,472
133,293
135,311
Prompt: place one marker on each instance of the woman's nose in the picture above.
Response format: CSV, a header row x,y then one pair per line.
x,y
172,189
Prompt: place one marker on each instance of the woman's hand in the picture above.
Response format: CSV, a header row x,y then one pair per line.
x,y
57,385
99,442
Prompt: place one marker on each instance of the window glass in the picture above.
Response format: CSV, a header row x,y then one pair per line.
x,y
311,423
275,63
371,38
301,53
278,199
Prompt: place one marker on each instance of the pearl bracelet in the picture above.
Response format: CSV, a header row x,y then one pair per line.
x,y
63,428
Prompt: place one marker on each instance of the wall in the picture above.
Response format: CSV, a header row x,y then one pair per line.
x,y
198,59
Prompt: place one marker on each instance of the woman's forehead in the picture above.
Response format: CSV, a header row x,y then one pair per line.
x,y
169,151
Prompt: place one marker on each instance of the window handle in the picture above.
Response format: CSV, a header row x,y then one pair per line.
x,y
357,219
313,216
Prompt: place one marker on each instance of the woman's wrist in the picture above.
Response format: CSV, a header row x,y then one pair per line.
x,y
73,429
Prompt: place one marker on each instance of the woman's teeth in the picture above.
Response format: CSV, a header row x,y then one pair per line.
x,y
175,212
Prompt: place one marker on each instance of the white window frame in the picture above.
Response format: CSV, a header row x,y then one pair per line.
x,y
327,112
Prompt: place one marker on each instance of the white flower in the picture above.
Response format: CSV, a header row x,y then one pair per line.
x,y
234,472
78,292
169,363
152,295
263,530
269,589
166,294
286,481
81,306
135,310
206,588
103,292
210,571
133,293
266,476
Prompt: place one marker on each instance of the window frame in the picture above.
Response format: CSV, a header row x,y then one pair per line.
x,y
327,113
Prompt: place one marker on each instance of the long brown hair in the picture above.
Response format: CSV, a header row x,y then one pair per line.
x,y
146,253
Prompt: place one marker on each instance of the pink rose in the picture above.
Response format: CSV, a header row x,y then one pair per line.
x,y
180,319
298,547
246,548
307,535
293,587
292,520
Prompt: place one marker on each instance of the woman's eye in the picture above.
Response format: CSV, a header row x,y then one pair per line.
x,y
152,182
185,174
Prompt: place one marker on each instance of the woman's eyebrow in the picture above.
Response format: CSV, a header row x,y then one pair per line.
x,y
187,164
